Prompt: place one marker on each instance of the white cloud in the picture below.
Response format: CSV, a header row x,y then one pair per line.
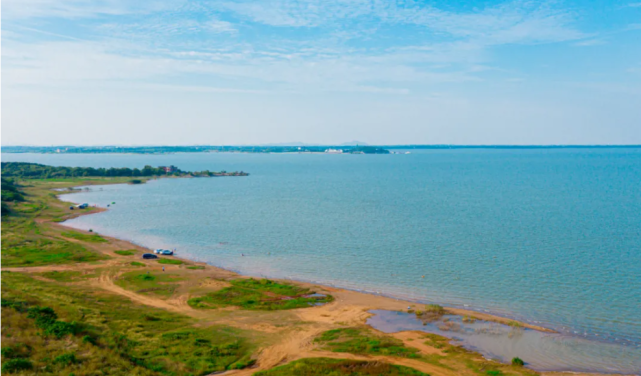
x,y
20,9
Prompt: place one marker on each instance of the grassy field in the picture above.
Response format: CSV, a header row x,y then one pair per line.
x,y
62,326
112,333
364,342
339,367
260,294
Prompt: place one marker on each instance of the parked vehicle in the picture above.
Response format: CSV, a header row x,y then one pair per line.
x,y
167,252
158,251
149,256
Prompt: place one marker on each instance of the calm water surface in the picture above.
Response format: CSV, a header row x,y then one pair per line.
x,y
549,236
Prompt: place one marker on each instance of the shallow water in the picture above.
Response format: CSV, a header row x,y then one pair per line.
x,y
551,237
541,351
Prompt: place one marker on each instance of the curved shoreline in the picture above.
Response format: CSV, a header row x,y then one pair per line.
x,y
452,310
369,299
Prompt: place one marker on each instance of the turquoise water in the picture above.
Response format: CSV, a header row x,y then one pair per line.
x,y
549,236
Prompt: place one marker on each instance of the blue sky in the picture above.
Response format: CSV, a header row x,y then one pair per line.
x,y
383,72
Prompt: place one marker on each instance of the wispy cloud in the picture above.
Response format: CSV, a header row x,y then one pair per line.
x,y
224,41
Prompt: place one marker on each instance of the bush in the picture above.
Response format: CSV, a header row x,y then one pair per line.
x,y
135,181
15,365
124,253
66,359
46,319
518,362
89,339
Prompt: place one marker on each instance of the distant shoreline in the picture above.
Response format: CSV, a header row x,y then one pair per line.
x,y
307,149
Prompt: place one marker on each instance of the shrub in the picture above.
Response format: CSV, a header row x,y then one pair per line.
x,y
124,253
66,359
60,329
135,181
15,365
46,319
19,350
434,308
89,339
518,362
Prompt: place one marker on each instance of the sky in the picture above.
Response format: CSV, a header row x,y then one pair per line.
x,y
240,72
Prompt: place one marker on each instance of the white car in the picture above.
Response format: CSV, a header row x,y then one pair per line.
x,y
167,252
158,251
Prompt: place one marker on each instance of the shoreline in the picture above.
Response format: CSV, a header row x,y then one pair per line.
x,y
367,300
452,310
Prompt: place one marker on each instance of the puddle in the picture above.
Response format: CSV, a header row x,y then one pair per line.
x,y
541,351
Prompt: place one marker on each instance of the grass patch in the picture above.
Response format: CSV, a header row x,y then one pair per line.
x,y
125,253
169,261
91,238
37,251
136,263
362,342
339,367
63,276
197,267
162,284
260,295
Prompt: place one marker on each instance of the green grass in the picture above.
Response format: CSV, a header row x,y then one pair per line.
x,y
339,367
63,276
36,251
169,261
362,342
259,295
157,283
136,263
91,238
125,253
108,334
197,267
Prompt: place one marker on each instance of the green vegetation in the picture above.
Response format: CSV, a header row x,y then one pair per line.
x,y
196,267
169,261
63,276
518,362
260,295
136,181
25,170
162,283
10,193
136,263
42,321
125,253
17,365
339,367
91,238
27,249
431,312
363,342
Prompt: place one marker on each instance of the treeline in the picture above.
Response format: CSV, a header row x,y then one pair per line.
x,y
23,170
10,193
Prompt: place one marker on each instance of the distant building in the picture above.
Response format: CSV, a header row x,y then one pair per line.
x,y
169,169
334,151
